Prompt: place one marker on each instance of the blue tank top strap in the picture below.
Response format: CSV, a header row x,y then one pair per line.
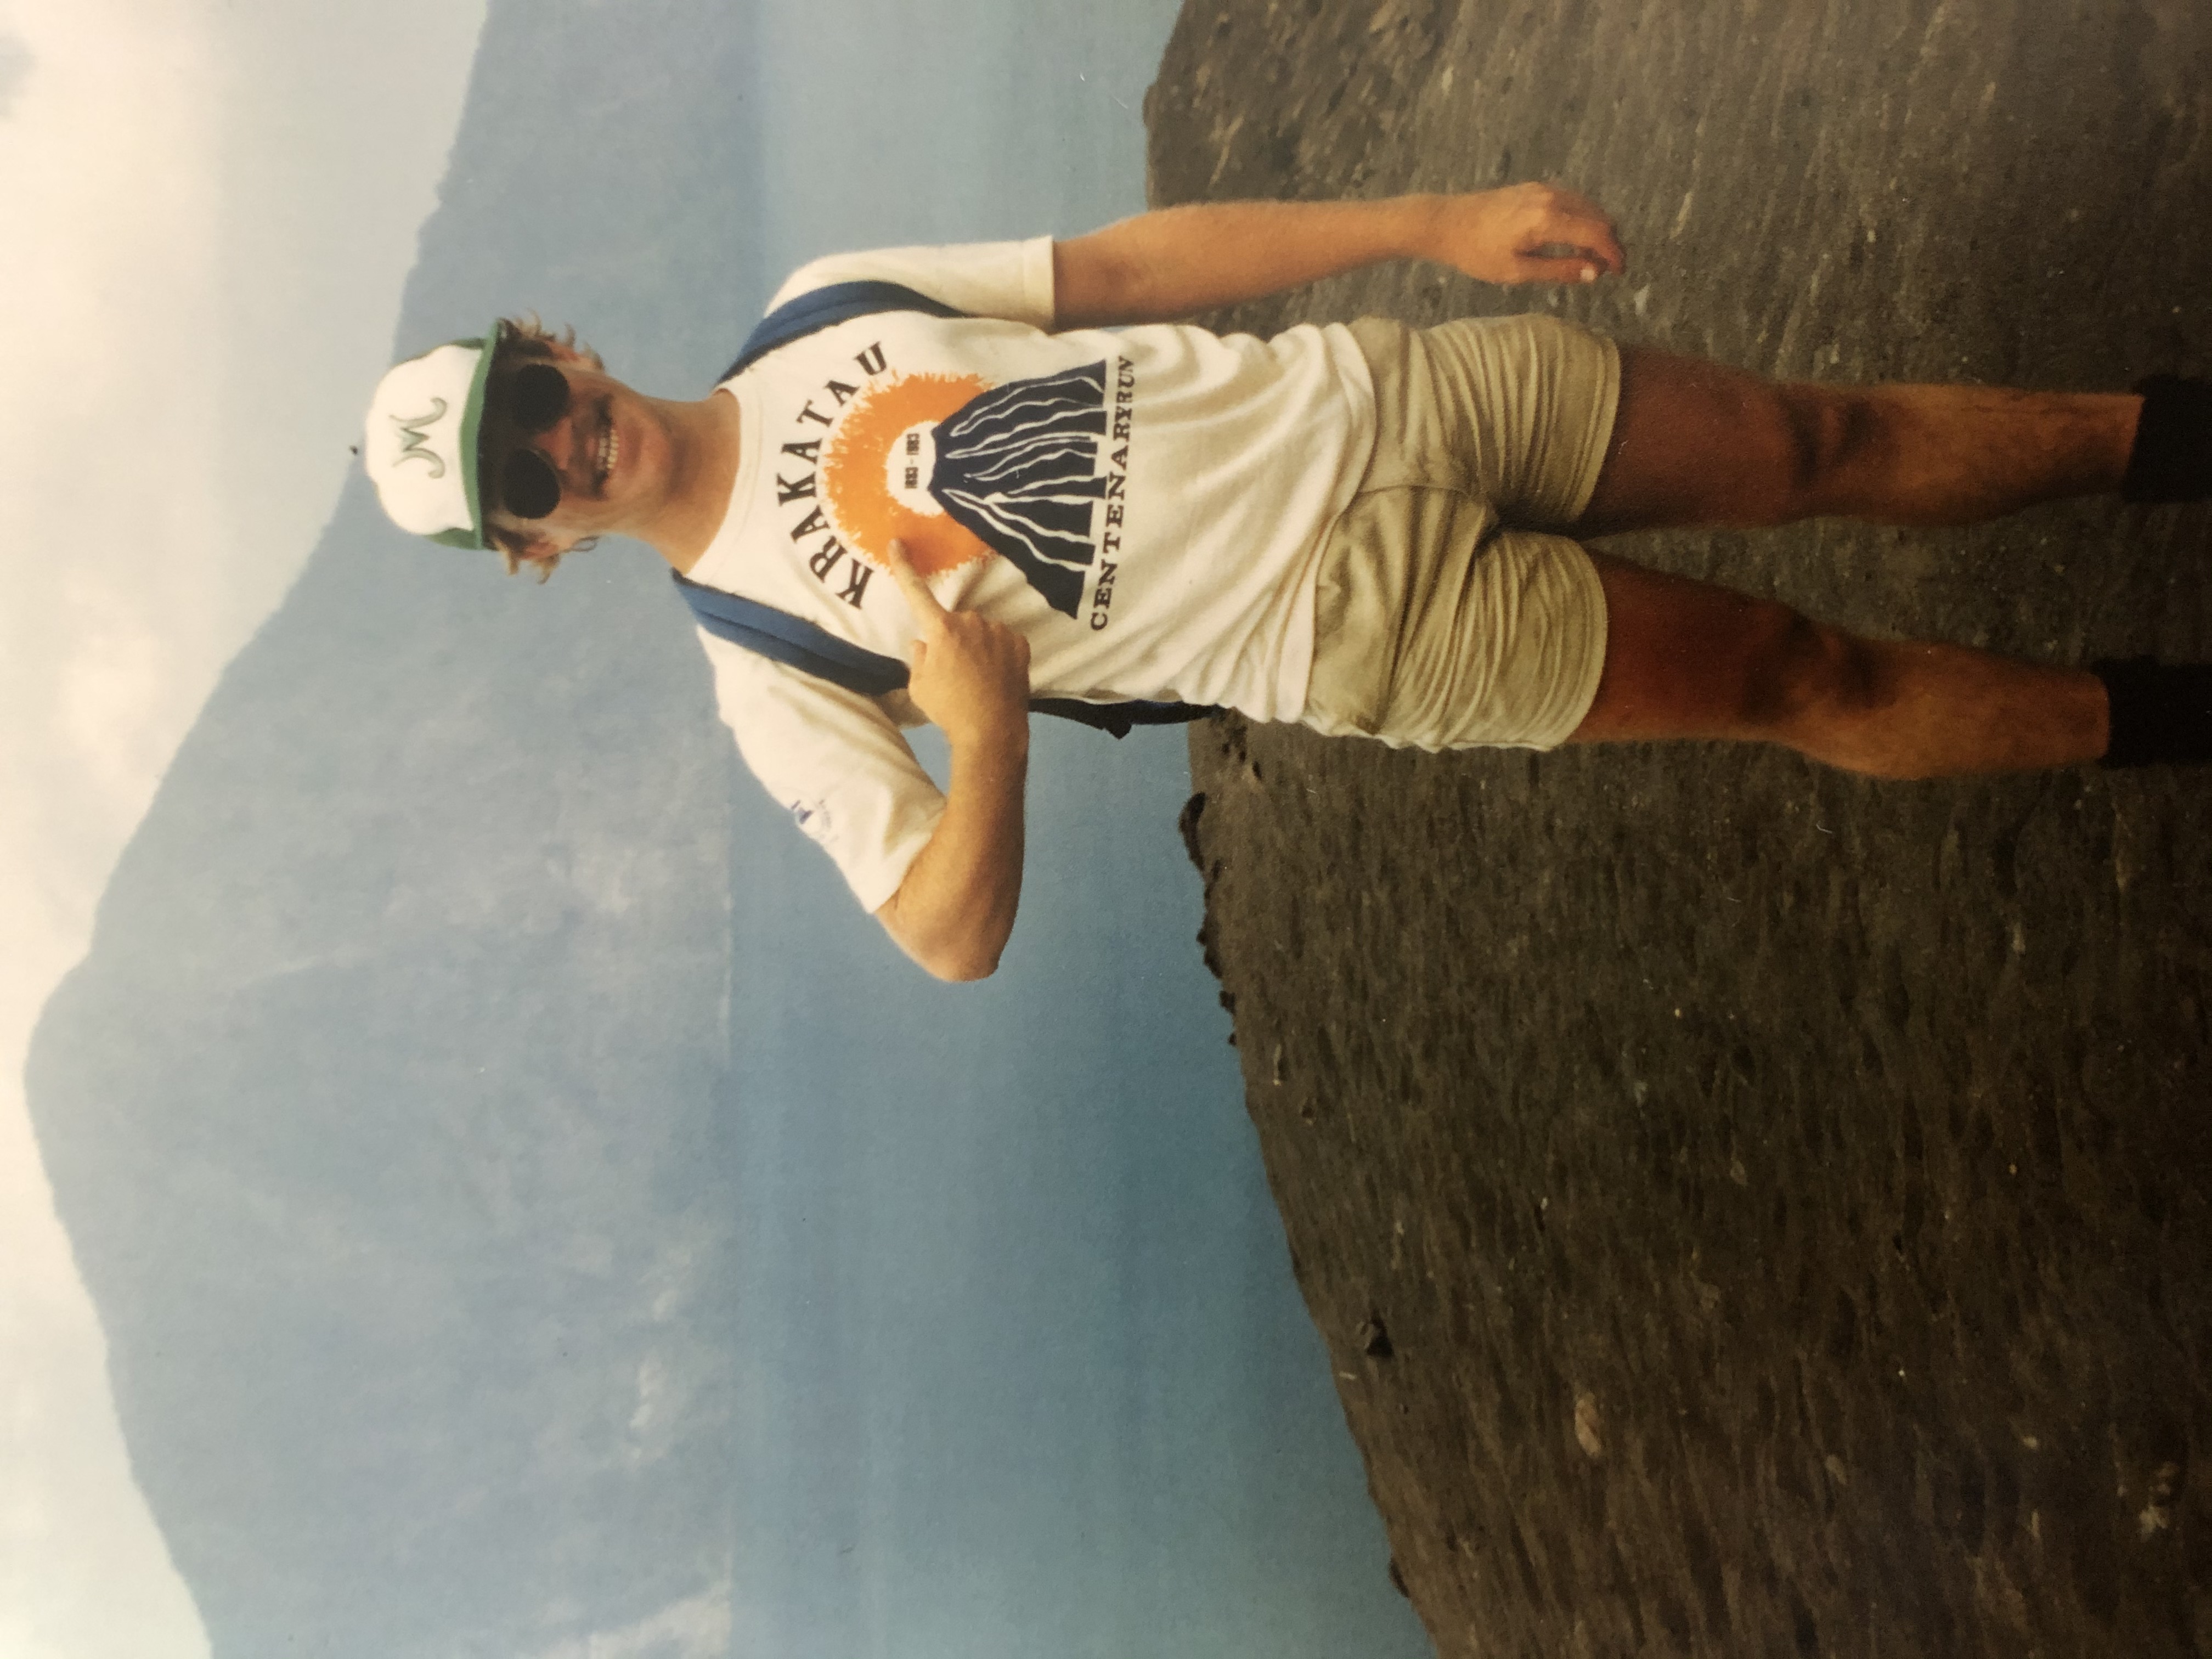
x,y
792,640
824,307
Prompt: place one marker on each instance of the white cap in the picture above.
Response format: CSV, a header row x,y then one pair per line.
x,y
421,446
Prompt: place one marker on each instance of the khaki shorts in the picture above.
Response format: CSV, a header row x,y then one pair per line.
x,y
1446,617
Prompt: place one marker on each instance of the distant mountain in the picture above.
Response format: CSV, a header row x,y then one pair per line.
x,y
392,1075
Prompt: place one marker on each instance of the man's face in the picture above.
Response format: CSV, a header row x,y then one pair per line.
x,y
607,453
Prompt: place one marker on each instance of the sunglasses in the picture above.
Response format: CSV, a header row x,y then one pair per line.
x,y
536,396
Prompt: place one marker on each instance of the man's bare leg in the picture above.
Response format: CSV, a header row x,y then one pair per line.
x,y
1685,659
1697,443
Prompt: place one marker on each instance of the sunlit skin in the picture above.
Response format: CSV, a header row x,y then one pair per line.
x,y
970,675
1697,443
1693,444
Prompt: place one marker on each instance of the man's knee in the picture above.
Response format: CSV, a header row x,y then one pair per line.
x,y
1817,435
1805,676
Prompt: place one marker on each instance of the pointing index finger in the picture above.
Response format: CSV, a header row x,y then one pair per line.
x,y
919,598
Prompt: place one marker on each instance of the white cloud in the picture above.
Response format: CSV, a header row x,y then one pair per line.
x,y
83,1572
151,527
112,695
107,443
14,65
106,163
697,1627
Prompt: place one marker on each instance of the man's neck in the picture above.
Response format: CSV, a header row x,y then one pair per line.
x,y
704,436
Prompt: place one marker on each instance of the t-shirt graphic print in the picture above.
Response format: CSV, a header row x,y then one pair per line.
x,y
1018,467
958,470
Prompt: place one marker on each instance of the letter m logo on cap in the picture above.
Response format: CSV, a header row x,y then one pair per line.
x,y
415,441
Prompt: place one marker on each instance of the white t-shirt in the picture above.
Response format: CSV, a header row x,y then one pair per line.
x,y
1145,505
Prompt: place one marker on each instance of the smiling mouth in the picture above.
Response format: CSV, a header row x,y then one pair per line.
x,y
610,451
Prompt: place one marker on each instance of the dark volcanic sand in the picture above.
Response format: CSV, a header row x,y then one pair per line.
x,y
1752,1211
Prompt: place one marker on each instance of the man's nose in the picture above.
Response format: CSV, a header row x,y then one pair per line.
x,y
561,443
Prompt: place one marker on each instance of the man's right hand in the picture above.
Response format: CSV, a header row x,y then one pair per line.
x,y
968,674
955,909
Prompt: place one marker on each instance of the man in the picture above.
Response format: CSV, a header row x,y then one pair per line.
x,y
1368,529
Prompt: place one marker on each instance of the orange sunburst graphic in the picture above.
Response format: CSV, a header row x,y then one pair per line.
x,y
875,471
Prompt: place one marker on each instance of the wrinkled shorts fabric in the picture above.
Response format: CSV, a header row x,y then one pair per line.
x,y
1449,612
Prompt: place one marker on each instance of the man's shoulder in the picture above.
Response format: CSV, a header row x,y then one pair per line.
x,y
1010,280
855,266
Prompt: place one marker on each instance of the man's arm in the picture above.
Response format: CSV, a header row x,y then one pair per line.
x,y
1177,261
955,909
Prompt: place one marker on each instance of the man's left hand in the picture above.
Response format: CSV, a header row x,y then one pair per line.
x,y
1526,234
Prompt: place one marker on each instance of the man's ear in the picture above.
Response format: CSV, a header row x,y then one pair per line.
x,y
529,550
543,552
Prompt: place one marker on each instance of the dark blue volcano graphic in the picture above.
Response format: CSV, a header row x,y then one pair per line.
x,y
1018,467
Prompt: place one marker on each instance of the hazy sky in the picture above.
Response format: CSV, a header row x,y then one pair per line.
x,y
217,203
212,207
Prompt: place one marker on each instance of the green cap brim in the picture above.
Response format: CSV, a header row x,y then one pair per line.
x,y
472,423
